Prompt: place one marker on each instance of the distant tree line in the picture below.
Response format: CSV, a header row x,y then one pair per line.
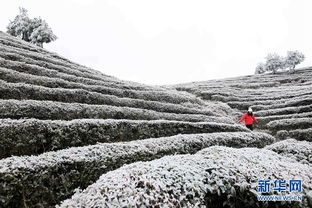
x,y
36,30
275,62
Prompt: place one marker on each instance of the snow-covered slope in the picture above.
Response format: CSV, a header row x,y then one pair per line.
x,y
63,125
281,102
214,177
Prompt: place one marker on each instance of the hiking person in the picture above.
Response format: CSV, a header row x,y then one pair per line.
x,y
249,118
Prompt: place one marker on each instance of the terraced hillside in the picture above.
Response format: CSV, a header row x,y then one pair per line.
x,y
281,102
71,136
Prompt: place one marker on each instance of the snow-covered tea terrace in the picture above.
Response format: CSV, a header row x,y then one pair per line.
x,y
71,136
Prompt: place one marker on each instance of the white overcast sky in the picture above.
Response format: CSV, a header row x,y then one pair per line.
x,y
172,41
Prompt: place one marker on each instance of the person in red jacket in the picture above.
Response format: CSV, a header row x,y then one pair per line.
x,y
249,118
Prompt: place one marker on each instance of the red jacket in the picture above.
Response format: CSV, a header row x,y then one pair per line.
x,y
248,119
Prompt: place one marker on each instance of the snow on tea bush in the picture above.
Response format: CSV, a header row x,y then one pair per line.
x,y
252,95
14,42
20,56
50,177
291,102
266,119
287,124
214,177
48,60
68,111
155,95
298,150
258,85
32,136
285,111
15,58
25,91
51,72
298,134
41,74
41,56
218,108
234,85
